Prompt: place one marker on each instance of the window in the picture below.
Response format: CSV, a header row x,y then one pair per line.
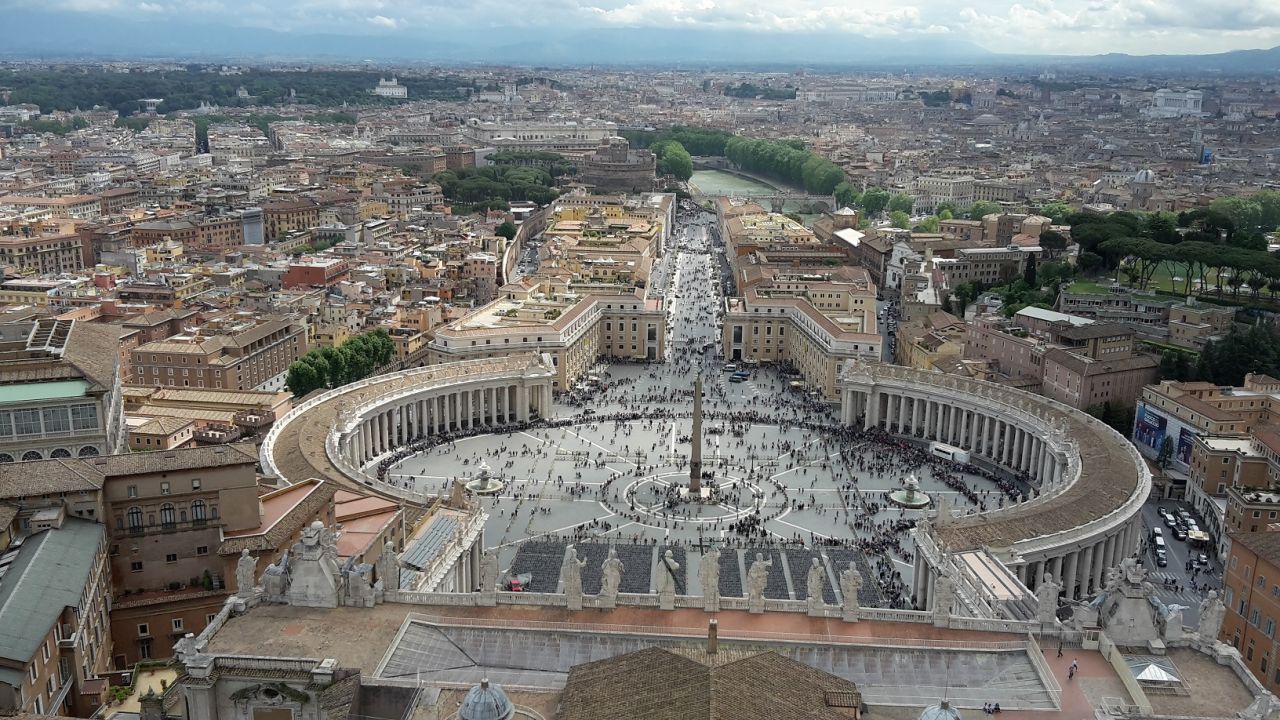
x,y
167,518
135,566
198,511
44,651
84,417
135,517
32,670
144,630
133,491
171,558
144,649
195,484
164,488
202,550
177,624
1253,617
26,422
56,420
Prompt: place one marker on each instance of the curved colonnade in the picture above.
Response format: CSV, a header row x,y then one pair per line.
x,y
1090,482
341,432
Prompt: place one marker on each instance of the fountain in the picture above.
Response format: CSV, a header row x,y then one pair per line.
x,y
910,495
484,482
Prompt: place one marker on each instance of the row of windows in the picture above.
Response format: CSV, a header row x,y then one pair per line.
x,y
169,515
31,455
52,420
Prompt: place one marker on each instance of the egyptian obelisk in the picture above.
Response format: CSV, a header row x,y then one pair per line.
x,y
695,457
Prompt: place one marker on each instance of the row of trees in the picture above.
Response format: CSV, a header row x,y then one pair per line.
x,y
331,367
480,185
555,164
673,159
703,142
787,160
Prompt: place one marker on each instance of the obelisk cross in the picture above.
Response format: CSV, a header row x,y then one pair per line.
x,y
695,457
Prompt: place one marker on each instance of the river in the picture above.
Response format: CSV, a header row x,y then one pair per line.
x,y
714,183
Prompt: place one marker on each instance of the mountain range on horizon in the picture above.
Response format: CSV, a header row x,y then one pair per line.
x,y
64,35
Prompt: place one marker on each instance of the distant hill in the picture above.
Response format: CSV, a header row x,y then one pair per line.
x,y
67,34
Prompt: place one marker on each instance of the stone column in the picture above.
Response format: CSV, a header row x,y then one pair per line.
x,y
1069,578
1099,563
1086,570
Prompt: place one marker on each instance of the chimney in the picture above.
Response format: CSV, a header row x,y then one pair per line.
x,y
713,637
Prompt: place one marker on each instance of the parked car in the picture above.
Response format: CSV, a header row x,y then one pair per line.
x,y
1179,533
1162,559
1202,560
1170,521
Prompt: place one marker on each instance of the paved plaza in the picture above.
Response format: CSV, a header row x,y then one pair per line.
x,y
779,472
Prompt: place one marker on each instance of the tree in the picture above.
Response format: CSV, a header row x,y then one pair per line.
x,y
900,219
983,208
874,201
901,203
302,378
929,224
1053,243
847,195
1057,211
507,230
673,159
945,214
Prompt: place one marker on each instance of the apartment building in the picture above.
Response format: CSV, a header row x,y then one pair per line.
x,y
315,272
59,390
285,216
543,317
1183,411
47,248
932,191
989,266
1251,593
75,207
198,234
242,352
1186,324
54,598
1072,360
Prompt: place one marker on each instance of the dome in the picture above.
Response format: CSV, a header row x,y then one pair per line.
x,y
987,119
1144,176
941,711
486,702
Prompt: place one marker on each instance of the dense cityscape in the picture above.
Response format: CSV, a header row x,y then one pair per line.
x,y
387,390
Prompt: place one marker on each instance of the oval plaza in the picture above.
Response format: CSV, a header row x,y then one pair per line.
x,y
1081,518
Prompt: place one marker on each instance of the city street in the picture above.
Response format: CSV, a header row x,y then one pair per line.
x,y
1179,553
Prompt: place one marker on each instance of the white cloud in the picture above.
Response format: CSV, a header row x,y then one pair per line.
x,y
1021,26
383,21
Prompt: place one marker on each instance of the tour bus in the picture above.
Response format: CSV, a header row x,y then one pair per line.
x,y
948,452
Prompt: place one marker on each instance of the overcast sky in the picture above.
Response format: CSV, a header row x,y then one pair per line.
x,y
1025,26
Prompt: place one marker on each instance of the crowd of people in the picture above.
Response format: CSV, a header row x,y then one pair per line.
x,y
777,464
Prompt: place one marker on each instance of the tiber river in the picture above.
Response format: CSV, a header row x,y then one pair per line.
x,y
719,182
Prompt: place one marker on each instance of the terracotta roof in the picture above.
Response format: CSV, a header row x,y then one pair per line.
x,y
1265,545
658,684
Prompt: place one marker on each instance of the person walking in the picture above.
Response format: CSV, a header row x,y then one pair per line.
x,y
1075,665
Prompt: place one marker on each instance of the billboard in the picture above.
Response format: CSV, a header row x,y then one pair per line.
x,y
1151,427
1206,155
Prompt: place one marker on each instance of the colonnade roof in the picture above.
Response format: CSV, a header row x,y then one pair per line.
x,y
1111,471
297,450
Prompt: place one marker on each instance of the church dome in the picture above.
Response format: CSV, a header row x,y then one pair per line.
x,y
486,702
941,711
1144,176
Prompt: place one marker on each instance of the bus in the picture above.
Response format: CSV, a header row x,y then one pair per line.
x,y
948,452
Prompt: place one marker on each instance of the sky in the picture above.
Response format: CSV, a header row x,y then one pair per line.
x,y
1072,27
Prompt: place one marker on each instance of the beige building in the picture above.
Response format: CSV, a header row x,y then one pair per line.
x,y
812,322
46,248
550,318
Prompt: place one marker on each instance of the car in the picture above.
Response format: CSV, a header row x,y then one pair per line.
x,y
1180,533
735,378
1162,560
731,367
1202,559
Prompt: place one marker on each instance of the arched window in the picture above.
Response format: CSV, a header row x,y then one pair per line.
x,y
60,453
31,455
166,515
6,458
135,518
88,451
197,511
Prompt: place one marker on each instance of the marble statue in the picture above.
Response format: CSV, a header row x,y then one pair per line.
x,y
666,581
757,578
815,585
850,586
611,577
488,586
571,575
709,577
360,586
246,571
944,598
275,580
1211,613
389,567
1047,599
